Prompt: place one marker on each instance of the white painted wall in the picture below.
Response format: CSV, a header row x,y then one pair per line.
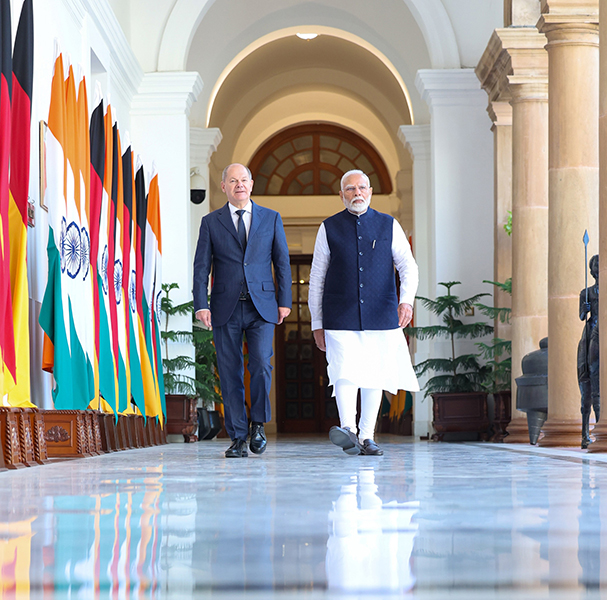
x,y
473,22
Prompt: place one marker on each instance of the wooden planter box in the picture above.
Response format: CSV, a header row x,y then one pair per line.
x,y
182,417
464,412
66,433
502,415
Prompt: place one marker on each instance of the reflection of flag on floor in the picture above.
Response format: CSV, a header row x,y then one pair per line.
x,y
66,313
7,339
16,559
23,73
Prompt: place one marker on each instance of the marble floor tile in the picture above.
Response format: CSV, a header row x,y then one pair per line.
x,y
305,520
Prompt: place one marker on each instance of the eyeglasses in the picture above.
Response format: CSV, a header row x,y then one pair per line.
x,y
349,189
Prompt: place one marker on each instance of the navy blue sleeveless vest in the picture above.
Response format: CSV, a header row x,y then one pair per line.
x,y
360,287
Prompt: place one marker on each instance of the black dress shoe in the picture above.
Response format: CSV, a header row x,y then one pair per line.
x,y
370,448
345,439
258,441
238,449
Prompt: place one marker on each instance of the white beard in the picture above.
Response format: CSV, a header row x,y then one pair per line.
x,y
358,208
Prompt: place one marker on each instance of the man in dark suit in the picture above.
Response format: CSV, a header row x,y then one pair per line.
x,y
240,242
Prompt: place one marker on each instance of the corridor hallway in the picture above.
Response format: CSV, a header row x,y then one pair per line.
x,y
426,520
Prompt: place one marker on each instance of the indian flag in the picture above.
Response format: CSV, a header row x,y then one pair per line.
x,y
66,314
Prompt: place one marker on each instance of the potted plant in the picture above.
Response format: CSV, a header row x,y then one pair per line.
x,y
182,390
459,400
497,355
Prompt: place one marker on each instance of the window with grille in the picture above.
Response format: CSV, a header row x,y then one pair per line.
x,y
311,159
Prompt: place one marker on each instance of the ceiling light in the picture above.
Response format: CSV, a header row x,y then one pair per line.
x,y
306,36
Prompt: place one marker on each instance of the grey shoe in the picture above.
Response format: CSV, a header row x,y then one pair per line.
x,y
370,448
345,439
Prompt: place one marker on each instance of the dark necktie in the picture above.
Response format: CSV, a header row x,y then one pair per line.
x,y
242,238
242,232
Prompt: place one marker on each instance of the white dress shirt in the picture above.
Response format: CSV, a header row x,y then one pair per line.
x,y
248,208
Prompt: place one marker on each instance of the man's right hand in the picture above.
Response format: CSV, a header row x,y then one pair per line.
x,y
204,315
319,338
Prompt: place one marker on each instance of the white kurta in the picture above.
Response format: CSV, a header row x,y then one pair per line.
x,y
368,359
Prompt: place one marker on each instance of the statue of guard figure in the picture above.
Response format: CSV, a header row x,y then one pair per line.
x,y
588,352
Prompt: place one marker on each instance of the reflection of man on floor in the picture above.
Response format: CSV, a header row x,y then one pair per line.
x,y
356,314
370,545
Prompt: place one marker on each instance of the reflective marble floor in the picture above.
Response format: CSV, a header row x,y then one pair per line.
x,y
305,520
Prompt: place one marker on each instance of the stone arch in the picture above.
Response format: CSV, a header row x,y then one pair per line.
x,y
281,33
430,16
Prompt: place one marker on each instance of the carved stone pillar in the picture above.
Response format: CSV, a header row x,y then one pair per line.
x,y
501,116
600,431
515,67
521,13
571,28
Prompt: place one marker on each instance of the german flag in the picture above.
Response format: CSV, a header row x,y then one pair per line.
x,y
150,385
108,339
130,280
23,75
116,275
7,339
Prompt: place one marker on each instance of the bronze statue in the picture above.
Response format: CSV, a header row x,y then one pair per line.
x,y
588,352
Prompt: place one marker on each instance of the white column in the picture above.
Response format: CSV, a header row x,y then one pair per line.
x,y
160,129
462,177
416,138
203,143
459,234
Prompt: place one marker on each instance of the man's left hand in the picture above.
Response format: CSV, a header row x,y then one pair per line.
x,y
283,313
405,314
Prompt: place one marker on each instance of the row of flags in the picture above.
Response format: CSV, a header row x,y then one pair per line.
x,y
16,77
100,311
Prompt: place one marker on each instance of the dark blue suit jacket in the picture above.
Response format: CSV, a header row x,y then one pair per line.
x,y
219,249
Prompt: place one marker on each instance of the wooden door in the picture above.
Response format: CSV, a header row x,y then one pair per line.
x,y
303,400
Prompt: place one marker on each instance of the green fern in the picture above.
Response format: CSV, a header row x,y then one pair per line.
x,y
498,352
206,381
463,373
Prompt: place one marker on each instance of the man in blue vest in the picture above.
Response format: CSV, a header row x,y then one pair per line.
x,y
241,242
357,316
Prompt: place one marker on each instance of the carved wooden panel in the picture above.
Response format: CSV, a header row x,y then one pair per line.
x,y
9,434
97,432
65,433
40,451
26,438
